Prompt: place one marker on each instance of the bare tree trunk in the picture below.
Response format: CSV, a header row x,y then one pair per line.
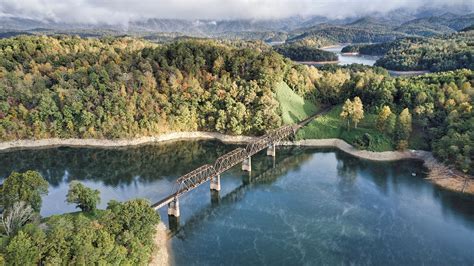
x,y
16,216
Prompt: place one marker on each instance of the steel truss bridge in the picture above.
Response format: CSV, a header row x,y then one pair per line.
x,y
212,172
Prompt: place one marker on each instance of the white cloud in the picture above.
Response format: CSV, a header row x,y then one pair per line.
x,y
122,11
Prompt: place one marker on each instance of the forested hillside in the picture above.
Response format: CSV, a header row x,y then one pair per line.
x,y
440,105
71,87
441,53
369,49
298,52
435,54
117,88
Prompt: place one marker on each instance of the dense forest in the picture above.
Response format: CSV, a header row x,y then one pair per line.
x,y
368,49
117,88
71,87
305,53
435,54
344,34
120,235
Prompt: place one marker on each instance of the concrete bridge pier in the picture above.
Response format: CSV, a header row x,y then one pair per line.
x,y
271,150
173,208
247,179
173,223
247,164
215,197
216,183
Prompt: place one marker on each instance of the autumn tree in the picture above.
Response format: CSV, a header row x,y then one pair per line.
x,y
383,118
403,129
358,111
352,111
347,111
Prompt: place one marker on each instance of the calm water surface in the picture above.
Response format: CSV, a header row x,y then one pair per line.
x,y
306,207
351,59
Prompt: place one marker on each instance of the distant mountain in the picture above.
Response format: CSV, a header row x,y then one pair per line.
x,y
316,30
445,23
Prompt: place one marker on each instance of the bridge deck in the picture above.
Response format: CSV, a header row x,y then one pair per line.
x,y
204,173
163,202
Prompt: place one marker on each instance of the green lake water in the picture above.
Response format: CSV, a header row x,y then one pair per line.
x,y
305,207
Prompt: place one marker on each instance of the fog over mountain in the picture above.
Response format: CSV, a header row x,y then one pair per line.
x,y
124,11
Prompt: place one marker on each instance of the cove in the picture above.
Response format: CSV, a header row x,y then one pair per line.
x,y
307,206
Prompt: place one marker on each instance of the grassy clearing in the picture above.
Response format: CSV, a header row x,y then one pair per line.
x,y
330,125
293,107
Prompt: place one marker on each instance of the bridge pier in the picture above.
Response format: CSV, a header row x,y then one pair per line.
x,y
247,164
271,150
215,197
173,208
216,183
173,223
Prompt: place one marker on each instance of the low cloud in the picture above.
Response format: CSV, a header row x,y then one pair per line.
x,y
123,11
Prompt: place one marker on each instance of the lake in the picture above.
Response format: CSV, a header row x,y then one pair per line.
x,y
305,207
346,59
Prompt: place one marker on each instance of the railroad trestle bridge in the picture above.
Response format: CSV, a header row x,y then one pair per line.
x,y
212,172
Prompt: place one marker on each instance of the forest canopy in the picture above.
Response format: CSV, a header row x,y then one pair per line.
x,y
305,53
68,87
440,53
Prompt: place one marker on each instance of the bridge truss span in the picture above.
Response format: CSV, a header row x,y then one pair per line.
x,y
212,172
194,178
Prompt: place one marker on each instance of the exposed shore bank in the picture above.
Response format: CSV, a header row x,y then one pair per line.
x,y
316,63
110,143
438,173
160,256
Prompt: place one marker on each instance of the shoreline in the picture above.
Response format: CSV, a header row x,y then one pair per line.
x,y
310,63
161,254
438,174
119,143
398,73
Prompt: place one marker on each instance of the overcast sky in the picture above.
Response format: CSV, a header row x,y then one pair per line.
x,y
121,11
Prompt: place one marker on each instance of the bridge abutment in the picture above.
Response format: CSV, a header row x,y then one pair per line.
x,y
216,183
271,150
247,164
173,208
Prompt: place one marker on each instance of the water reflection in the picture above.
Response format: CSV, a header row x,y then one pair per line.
x,y
262,174
305,206
345,59
114,167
